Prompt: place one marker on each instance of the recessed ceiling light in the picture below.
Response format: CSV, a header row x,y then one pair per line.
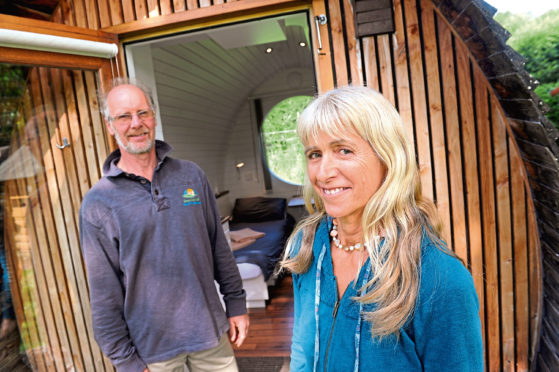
x,y
302,44
269,50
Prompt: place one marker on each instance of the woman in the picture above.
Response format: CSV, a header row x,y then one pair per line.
x,y
375,287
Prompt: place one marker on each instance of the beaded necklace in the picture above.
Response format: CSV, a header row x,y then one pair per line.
x,y
338,244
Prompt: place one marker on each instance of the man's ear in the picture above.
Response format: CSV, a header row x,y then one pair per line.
x,y
109,127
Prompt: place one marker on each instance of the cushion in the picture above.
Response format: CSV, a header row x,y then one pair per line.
x,y
247,233
238,245
249,271
259,209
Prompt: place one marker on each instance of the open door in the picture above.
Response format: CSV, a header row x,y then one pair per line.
x,y
53,145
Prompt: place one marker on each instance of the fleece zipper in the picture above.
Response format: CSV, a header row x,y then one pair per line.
x,y
334,315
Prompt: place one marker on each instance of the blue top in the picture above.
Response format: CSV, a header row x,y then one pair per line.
x,y
443,334
153,250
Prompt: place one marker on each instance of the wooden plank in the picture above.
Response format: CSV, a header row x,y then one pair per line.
x,y
205,3
436,116
99,130
166,7
63,221
385,63
80,13
370,58
353,48
48,59
104,13
82,135
401,69
470,169
180,5
128,14
535,277
489,222
116,12
92,15
153,8
338,44
322,61
506,269
192,4
454,150
417,82
521,268
141,9
57,287
196,16
44,267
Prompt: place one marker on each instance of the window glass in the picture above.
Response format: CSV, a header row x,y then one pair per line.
x,y
284,151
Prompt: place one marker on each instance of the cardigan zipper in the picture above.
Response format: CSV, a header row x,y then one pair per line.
x,y
334,315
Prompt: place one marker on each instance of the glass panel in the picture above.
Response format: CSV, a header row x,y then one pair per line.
x,y
51,140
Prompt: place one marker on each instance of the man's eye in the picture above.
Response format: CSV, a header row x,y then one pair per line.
x,y
124,117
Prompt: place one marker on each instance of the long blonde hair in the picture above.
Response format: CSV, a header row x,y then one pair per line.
x,y
397,209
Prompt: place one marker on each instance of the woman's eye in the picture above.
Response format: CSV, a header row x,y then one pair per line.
x,y
313,155
345,151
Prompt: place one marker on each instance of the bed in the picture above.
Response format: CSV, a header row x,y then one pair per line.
x,y
263,215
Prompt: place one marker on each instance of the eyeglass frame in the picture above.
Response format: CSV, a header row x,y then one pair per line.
x,y
127,117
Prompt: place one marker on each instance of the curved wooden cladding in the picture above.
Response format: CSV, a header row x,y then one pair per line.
x,y
469,163
49,286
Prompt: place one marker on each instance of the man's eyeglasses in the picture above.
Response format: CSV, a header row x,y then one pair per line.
x,y
127,117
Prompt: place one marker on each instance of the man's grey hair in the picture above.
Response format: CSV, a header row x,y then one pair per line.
x,y
124,81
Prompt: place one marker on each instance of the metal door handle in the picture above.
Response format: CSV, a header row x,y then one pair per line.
x,y
65,143
320,20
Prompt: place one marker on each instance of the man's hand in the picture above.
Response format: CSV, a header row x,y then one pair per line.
x,y
238,329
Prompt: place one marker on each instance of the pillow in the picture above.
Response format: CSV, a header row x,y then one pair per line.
x,y
259,209
247,233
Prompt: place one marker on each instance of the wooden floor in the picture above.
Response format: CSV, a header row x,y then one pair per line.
x,y
271,328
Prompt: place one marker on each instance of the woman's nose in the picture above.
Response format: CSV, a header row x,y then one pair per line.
x,y
328,168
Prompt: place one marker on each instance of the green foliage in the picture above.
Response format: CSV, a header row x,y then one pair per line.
x,y
537,40
12,81
283,148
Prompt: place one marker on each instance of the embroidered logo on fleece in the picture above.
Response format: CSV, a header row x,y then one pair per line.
x,y
190,196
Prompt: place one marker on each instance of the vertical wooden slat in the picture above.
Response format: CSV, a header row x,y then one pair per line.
x,y
421,123
80,13
489,222
39,241
63,221
180,5
522,293
92,15
104,13
192,4
470,169
401,67
454,150
128,13
338,44
385,63
323,62
506,275
205,3
116,12
98,126
153,8
141,9
535,277
370,58
166,7
59,294
353,48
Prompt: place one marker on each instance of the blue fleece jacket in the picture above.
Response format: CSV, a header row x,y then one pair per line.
x,y
444,333
153,251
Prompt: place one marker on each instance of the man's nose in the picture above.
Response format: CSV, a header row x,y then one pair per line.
x,y
136,121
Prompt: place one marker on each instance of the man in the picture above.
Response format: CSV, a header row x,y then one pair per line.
x,y
153,245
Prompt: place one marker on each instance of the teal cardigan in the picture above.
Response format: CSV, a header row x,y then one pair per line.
x,y
443,334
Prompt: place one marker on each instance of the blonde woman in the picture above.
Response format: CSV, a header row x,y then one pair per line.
x,y
375,287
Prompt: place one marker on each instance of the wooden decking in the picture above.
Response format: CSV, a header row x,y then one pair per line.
x,y
271,328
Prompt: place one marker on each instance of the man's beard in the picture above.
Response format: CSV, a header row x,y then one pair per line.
x,y
133,148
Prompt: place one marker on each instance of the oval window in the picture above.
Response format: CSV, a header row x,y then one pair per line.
x,y
284,151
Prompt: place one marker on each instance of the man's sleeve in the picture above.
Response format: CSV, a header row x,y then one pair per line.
x,y
107,297
226,271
